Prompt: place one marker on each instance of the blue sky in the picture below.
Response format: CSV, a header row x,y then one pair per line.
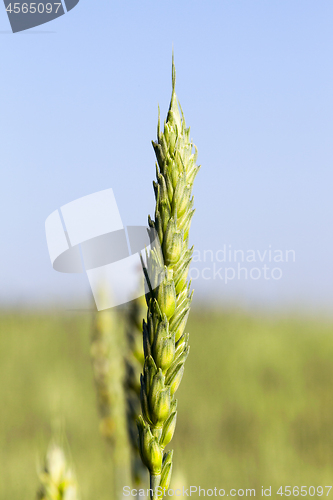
x,y
79,109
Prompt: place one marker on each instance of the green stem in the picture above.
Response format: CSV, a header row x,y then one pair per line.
x,y
157,432
154,484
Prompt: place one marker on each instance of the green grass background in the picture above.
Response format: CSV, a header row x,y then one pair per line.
x,y
255,404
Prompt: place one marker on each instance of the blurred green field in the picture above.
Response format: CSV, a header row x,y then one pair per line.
x,y
255,404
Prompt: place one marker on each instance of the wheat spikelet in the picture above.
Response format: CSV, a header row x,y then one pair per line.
x,y
57,478
165,343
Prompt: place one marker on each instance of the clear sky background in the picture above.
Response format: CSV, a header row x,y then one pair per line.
x,y
79,102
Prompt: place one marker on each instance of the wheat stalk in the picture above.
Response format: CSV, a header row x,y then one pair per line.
x,y
165,343
57,478
109,371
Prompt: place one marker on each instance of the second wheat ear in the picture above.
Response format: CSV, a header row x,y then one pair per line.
x,y
166,346
57,477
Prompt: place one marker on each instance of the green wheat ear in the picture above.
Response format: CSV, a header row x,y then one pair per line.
x,y
107,348
165,343
57,477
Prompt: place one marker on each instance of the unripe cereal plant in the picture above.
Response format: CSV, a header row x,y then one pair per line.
x,y
57,477
166,346
107,348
